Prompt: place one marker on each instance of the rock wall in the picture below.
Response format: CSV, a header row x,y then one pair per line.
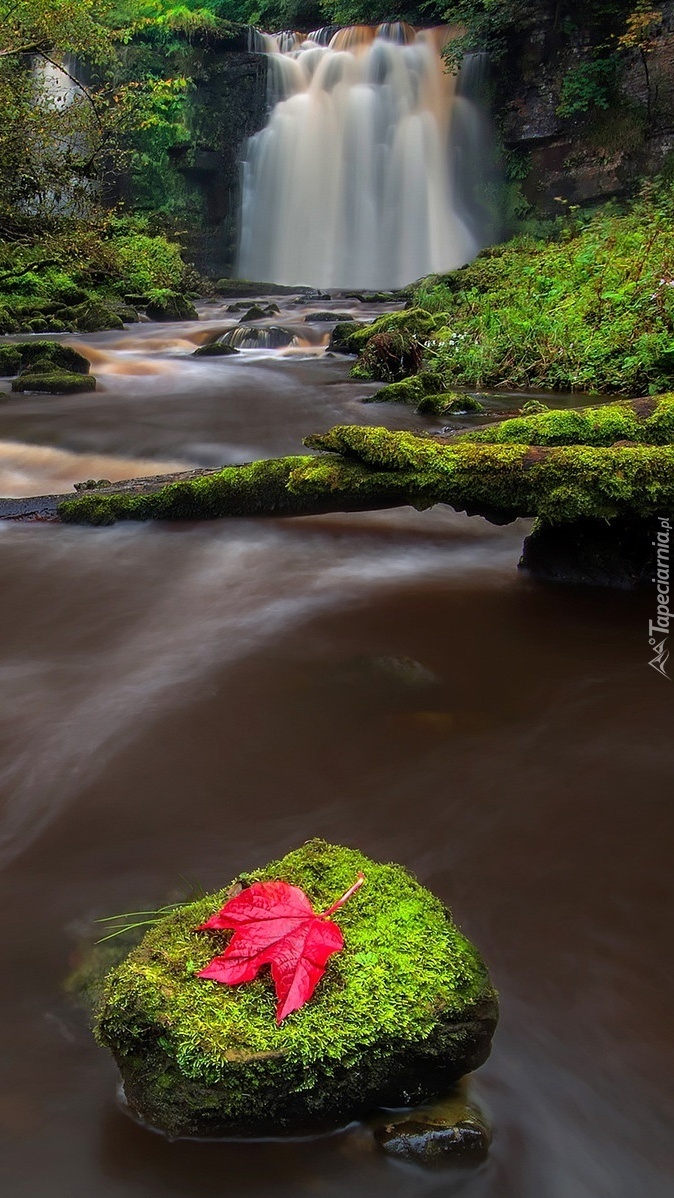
x,y
227,105
605,152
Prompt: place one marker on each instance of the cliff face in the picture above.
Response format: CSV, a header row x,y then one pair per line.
x,y
603,152
227,105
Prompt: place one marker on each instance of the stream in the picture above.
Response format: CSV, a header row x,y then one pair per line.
x,y
181,702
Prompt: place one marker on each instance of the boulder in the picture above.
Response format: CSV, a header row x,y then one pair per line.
x,y
216,349
340,338
25,354
400,1014
10,361
320,317
170,305
449,403
411,390
57,382
93,317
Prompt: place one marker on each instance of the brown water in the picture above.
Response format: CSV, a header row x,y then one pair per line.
x,y
179,703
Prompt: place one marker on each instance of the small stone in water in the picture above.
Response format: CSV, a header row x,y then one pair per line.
x,y
450,1131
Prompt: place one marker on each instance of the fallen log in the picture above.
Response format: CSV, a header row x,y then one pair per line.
x,y
362,469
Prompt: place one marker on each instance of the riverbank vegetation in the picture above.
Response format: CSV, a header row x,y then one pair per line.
x,y
589,308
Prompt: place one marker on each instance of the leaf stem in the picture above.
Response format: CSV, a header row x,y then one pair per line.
x,y
347,895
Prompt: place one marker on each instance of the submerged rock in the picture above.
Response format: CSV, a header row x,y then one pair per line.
x,y
401,1013
596,553
449,1131
257,312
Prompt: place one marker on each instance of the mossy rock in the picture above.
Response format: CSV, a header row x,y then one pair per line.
x,y
234,287
413,321
10,361
401,1013
533,407
170,305
340,338
60,357
58,382
95,317
411,390
449,403
127,314
216,349
389,357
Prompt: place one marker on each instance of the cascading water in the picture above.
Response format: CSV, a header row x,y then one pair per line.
x,y
372,168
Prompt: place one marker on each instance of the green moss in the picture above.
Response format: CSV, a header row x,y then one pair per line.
x,y
647,422
449,403
62,357
479,472
533,406
406,974
165,304
409,390
415,321
341,336
53,382
10,361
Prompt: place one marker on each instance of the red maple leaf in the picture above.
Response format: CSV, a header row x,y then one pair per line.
x,y
275,924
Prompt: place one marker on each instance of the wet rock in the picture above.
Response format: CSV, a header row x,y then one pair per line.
x,y
411,390
449,1131
216,349
326,316
389,357
234,287
10,361
46,354
170,305
404,1011
449,403
256,312
93,317
340,338
127,314
533,407
598,553
58,382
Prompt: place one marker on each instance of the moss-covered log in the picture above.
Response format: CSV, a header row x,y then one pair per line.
x,y
362,469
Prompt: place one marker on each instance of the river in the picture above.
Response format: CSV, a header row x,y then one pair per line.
x,y
180,702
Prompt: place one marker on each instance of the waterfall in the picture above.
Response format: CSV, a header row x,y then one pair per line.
x,y
373,167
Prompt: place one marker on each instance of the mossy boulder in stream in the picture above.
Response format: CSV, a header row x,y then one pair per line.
x,y
53,382
21,355
402,1012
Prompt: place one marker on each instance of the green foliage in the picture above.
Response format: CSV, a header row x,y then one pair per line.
x,y
589,85
148,263
590,309
646,422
